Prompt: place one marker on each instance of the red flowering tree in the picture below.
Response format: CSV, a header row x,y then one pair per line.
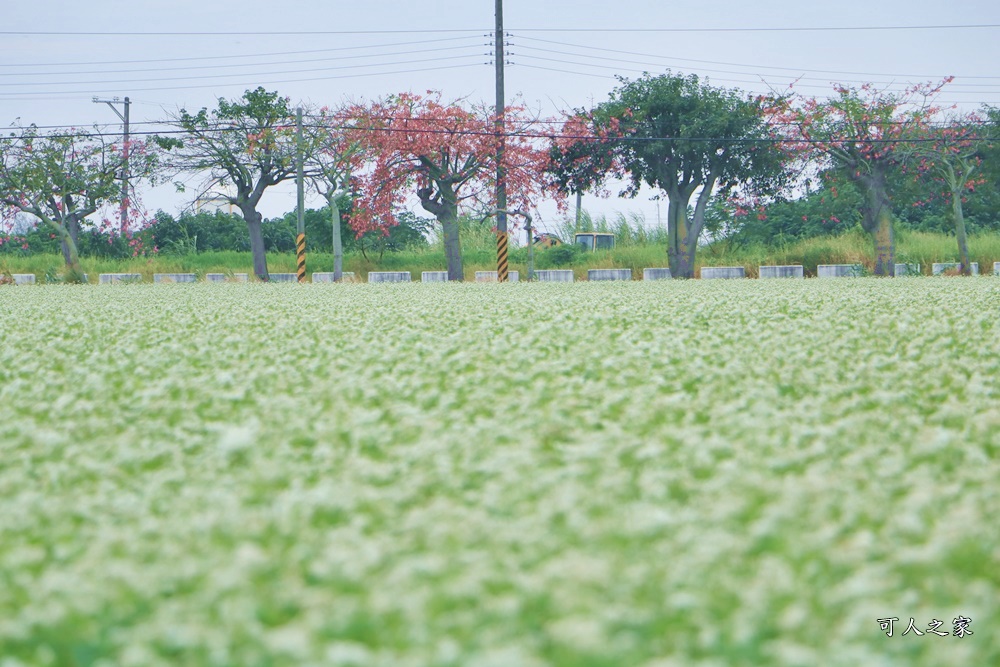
x,y
63,177
445,154
864,134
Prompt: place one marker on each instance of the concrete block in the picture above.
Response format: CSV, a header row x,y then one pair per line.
x,y
491,276
554,276
838,271
283,277
327,277
106,278
907,270
432,277
226,278
174,277
656,274
782,271
389,277
23,278
609,274
940,267
722,272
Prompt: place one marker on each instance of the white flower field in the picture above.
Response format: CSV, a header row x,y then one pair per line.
x,y
661,474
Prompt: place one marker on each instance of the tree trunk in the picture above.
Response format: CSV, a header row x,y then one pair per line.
x,y
531,252
885,245
444,206
72,256
681,248
254,222
338,243
69,235
963,243
452,246
877,221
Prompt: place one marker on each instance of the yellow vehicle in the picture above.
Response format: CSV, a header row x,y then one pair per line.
x,y
544,240
595,240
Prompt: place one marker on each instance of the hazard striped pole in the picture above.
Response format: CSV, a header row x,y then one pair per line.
x,y
498,56
501,256
300,227
300,252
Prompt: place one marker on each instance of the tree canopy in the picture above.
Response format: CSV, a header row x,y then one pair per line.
x,y
238,150
680,136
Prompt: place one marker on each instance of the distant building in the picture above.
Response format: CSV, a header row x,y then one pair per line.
x,y
213,202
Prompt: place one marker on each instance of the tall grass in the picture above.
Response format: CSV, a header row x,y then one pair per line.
x,y
636,248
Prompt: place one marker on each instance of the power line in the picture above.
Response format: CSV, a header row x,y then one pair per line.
x,y
229,65
238,74
264,33
761,81
731,64
966,26
491,133
705,69
233,33
240,55
240,84
607,76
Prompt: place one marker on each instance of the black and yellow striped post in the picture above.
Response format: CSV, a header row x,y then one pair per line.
x,y
300,253
300,223
501,257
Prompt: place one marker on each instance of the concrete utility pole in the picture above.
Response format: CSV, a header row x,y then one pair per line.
x,y
501,175
124,117
300,223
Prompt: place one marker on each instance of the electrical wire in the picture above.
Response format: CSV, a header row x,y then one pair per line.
x,y
607,76
240,74
230,33
550,136
267,33
730,64
230,65
241,55
966,26
222,84
704,69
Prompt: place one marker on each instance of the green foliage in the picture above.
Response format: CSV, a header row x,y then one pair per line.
x,y
558,256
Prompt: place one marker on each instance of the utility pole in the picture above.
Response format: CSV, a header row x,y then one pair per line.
x,y
300,224
500,129
124,118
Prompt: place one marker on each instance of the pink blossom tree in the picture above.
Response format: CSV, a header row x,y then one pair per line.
x,y
864,133
63,177
445,154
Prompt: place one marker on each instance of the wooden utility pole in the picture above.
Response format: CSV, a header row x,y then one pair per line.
x,y
502,236
124,118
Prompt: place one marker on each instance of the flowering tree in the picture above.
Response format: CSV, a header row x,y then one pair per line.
x,y
242,147
951,155
679,136
446,155
864,134
63,177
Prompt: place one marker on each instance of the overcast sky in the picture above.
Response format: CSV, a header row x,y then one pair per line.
x,y
564,54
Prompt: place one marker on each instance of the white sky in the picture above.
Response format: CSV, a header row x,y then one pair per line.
x,y
47,79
